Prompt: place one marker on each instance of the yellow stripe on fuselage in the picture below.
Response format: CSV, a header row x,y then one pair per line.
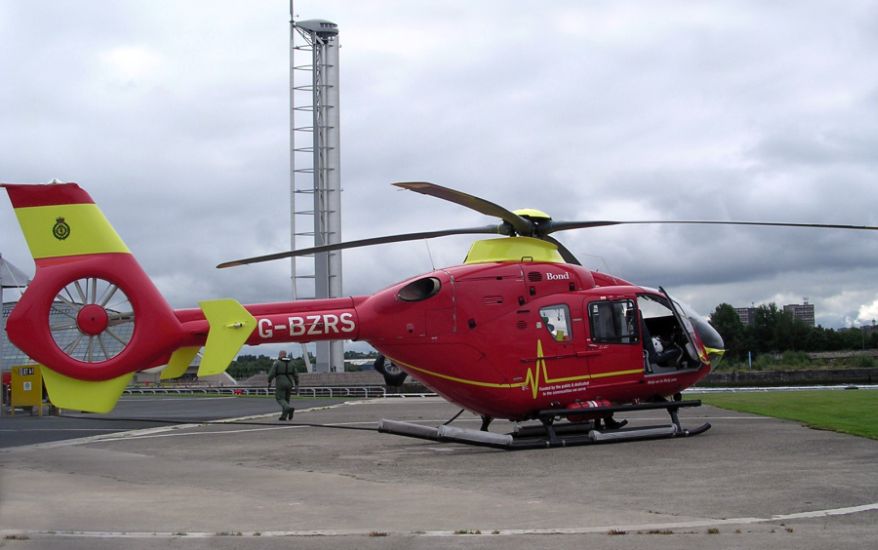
x,y
456,379
87,231
616,373
535,378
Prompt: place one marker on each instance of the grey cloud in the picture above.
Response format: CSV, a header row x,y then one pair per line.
x,y
728,110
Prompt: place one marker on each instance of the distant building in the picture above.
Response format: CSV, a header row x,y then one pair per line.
x,y
802,312
747,315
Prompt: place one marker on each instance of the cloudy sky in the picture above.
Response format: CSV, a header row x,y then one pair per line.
x,y
174,116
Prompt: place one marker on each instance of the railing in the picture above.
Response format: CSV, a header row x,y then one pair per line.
x,y
334,391
307,391
765,389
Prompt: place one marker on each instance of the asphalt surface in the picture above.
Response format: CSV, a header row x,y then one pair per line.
x,y
328,480
137,412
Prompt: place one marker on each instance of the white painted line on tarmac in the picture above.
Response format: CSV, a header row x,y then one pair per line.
x,y
269,415
166,399
61,430
152,432
191,434
399,400
98,438
484,531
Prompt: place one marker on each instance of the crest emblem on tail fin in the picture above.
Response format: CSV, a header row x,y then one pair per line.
x,y
61,230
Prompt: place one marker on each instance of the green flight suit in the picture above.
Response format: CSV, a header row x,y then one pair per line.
x,y
285,380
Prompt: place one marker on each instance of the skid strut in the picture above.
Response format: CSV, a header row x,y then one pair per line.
x,y
550,434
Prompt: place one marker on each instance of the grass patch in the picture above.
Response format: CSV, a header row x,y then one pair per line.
x,y
846,411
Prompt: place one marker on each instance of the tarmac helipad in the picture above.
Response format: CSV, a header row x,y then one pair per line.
x,y
328,481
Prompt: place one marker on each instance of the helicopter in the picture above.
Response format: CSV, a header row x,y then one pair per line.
x,y
519,331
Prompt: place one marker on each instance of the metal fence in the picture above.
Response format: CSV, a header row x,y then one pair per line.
x,y
372,392
308,391
758,389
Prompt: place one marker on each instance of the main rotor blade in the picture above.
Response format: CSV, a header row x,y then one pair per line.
x,y
565,253
553,226
490,229
522,226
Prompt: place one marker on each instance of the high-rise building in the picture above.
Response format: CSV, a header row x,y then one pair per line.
x,y
803,312
747,314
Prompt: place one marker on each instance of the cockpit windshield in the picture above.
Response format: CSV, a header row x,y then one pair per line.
x,y
709,336
711,342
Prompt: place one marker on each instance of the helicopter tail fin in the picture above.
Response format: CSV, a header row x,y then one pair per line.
x,y
230,326
91,316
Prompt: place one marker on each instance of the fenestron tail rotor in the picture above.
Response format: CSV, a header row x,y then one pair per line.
x,y
94,320
524,223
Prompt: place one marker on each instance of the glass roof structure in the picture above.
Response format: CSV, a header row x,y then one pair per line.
x,y
67,336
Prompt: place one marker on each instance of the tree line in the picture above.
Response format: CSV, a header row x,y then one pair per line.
x,y
776,331
245,366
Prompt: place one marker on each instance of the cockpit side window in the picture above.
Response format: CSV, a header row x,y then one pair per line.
x,y
556,320
613,321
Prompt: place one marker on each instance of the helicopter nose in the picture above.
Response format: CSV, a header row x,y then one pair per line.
x,y
710,338
715,356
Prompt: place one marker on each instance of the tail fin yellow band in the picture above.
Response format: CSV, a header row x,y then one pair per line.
x,y
68,230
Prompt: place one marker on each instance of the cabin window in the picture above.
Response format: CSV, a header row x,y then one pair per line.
x,y
556,320
613,321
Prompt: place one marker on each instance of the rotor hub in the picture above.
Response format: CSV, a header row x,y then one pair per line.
x,y
532,214
92,319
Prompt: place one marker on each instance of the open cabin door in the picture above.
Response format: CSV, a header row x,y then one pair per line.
x,y
665,333
692,344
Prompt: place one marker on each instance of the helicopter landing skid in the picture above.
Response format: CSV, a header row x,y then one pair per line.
x,y
551,435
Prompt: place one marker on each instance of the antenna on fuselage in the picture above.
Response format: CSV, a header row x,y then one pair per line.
x,y
430,255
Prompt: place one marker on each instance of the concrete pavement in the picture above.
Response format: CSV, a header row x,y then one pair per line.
x,y
748,482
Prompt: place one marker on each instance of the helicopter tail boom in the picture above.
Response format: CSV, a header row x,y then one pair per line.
x,y
91,316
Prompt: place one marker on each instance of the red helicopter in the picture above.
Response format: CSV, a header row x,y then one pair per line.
x,y
519,331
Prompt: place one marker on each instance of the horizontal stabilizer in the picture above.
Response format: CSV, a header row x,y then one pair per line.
x,y
230,326
84,395
180,361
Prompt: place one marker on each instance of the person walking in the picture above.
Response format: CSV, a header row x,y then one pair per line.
x,y
286,380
